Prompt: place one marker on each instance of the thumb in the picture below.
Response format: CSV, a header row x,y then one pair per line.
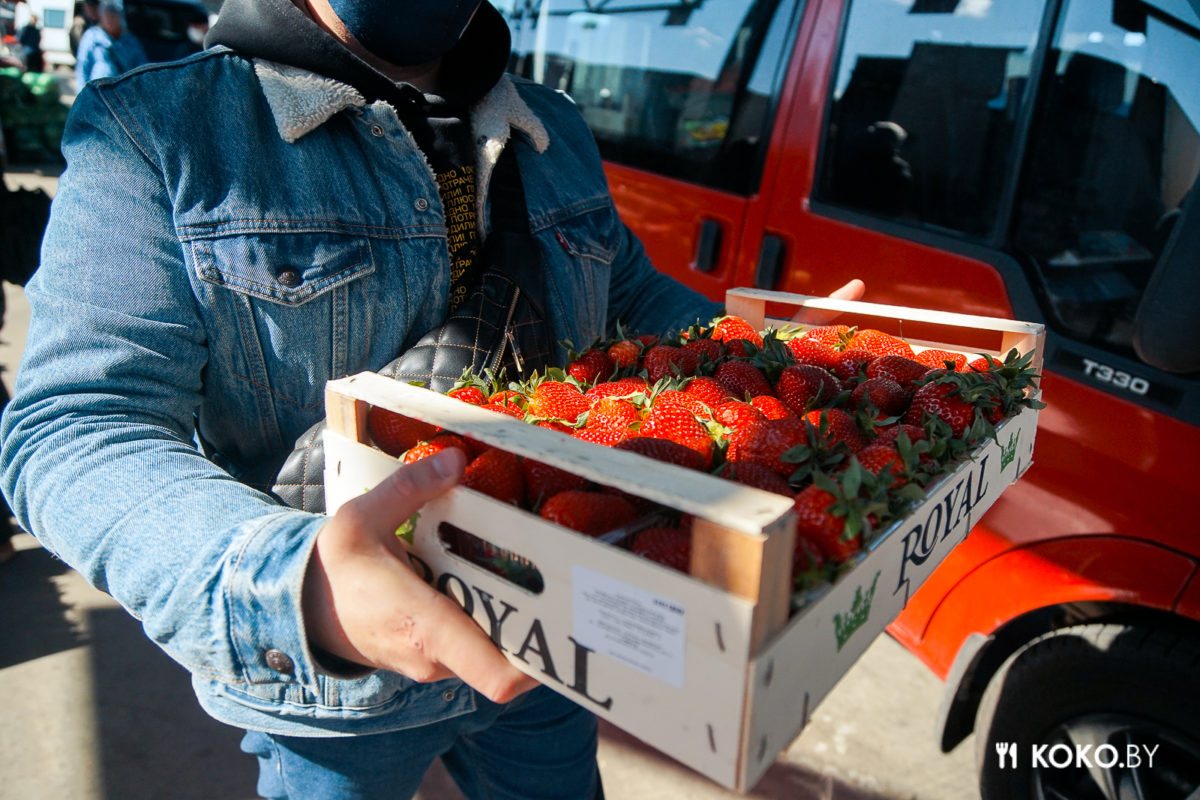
x,y
405,491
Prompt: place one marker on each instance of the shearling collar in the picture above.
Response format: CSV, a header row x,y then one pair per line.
x,y
302,101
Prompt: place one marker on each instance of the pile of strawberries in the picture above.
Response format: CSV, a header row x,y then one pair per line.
x,y
851,423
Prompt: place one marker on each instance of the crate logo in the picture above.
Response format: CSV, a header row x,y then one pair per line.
x,y
845,626
1077,756
951,514
1009,451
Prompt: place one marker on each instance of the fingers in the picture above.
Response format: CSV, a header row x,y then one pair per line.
x,y
853,290
403,493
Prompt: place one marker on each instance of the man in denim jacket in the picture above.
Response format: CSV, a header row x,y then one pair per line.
x,y
232,231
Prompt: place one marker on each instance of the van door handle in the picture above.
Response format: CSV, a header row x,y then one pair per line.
x,y
771,257
708,246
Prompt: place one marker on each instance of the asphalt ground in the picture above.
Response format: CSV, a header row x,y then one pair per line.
x,y
92,710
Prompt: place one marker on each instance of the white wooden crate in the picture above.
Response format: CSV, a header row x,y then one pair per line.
x,y
708,667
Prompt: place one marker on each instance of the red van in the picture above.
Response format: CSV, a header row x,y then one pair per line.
x,y
1031,159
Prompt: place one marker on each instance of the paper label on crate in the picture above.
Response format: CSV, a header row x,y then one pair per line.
x,y
627,623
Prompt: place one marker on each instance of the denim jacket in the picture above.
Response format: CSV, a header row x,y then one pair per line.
x,y
228,236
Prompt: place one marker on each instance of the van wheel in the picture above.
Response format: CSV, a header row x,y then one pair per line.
x,y
1093,712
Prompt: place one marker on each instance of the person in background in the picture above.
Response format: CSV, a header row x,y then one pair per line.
x,y
107,48
30,38
87,14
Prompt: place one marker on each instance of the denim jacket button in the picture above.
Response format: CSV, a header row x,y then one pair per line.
x,y
448,695
377,131
279,661
289,277
420,204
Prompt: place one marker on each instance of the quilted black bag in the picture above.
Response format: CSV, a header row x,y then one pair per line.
x,y
500,326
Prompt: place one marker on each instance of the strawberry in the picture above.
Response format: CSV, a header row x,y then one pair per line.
x,y
817,524
833,335
497,474
729,329
943,399
901,369
850,364
555,425
613,413
834,426
879,343
394,433
674,397
624,352
663,450
882,394
666,361
557,400
877,457
758,476
511,409
592,366
766,442
705,349
742,379
891,433
617,388
803,387
679,425
938,358
984,364
771,407
812,351
542,481
734,414
590,513
709,391
602,436
468,394
507,397
436,445
670,547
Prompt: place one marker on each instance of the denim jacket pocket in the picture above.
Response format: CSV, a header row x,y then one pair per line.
x,y
299,306
580,271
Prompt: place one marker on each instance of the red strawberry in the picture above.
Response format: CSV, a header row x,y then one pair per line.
x,y
614,413
679,425
730,329
891,433
851,363
758,476
468,394
883,394
839,428
735,414
511,409
742,379
394,433
591,513
707,390
670,547
904,371
618,388
879,456
508,397
497,474
663,450
938,358
833,335
557,400
674,397
704,349
765,443
543,481
879,343
803,387
602,436
647,340
816,524
625,352
812,351
436,445
771,407
555,425
592,366
984,364
943,400
665,361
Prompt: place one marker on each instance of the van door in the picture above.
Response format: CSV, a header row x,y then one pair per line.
x,y
681,96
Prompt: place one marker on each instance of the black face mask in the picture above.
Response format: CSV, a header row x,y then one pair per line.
x,y
406,32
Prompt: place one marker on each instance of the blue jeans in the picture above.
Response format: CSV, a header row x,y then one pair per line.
x,y
541,746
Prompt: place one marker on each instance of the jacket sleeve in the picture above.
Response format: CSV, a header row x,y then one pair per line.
x,y
97,446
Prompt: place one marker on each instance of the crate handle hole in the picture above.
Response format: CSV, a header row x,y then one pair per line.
x,y
512,567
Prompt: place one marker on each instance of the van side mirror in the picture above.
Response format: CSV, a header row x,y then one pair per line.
x,y
1166,329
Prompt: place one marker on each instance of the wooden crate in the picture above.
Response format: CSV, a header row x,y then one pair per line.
x,y
711,667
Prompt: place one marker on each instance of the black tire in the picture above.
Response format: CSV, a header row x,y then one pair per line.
x,y
1115,685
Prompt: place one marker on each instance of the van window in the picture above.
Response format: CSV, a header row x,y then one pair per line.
x,y
924,109
1114,150
672,87
54,18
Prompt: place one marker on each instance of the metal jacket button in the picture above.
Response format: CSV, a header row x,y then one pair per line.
x,y
376,131
279,661
448,695
421,204
289,277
